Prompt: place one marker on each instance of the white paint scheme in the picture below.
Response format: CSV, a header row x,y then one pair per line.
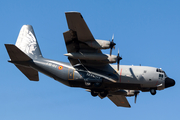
x,y
144,75
27,42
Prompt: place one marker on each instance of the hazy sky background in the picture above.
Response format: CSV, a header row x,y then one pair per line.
x,y
147,32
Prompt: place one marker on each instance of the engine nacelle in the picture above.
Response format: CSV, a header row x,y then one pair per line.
x,y
87,56
105,58
124,92
99,44
130,92
112,58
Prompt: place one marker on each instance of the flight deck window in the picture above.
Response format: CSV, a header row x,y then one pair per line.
x,y
161,71
160,75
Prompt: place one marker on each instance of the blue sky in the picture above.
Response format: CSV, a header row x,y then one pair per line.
x,y
147,32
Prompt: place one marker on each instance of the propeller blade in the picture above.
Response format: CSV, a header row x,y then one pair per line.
x,y
118,60
112,37
110,52
114,47
112,44
118,65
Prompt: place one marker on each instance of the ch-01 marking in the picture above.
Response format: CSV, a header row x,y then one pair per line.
x,y
52,65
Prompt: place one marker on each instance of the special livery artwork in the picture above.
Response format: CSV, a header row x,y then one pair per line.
x,y
89,68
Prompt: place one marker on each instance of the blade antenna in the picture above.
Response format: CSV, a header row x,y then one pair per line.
x,y
135,94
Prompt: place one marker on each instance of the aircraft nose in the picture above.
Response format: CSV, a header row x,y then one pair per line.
x,y
169,82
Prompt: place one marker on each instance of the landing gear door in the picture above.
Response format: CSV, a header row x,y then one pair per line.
x,y
70,74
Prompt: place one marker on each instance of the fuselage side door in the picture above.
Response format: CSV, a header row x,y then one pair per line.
x,y
70,74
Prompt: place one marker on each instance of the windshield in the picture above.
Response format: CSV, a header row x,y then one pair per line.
x,y
161,71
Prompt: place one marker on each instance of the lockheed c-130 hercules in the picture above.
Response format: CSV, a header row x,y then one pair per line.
x,y
89,68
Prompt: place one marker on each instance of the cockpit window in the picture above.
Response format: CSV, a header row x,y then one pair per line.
x,y
160,75
161,71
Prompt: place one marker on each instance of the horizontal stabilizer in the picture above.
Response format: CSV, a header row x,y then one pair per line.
x,y
17,56
30,73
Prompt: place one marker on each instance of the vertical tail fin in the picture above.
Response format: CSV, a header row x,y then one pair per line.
x,y
24,51
27,42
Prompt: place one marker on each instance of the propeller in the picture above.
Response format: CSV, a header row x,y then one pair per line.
x,y
118,60
135,94
112,45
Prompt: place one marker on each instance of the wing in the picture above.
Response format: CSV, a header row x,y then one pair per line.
x,y
73,44
77,36
76,23
119,100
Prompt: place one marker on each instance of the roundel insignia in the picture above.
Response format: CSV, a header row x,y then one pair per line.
x,y
60,67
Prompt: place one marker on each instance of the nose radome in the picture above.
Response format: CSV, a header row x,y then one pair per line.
x,y
169,82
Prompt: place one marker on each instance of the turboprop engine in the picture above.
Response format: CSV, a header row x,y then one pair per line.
x,y
100,44
127,93
93,56
124,92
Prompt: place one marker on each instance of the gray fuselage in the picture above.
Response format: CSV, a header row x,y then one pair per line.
x,y
128,77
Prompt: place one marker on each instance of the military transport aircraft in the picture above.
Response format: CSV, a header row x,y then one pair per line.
x,y
89,68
